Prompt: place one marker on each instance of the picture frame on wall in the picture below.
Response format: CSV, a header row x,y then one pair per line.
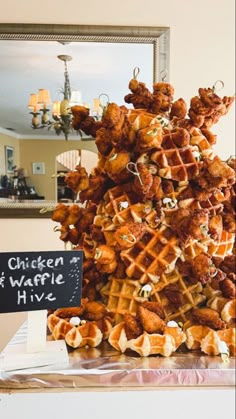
x,y
38,168
9,159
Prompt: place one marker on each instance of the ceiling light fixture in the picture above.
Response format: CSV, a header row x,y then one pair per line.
x,y
61,110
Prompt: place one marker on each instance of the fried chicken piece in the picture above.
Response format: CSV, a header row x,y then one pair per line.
x,y
161,103
208,317
198,227
155,307
82,121
113,129
207,108
94,310
197,119
211,138
164,87
129,234
105,258
80,113
115,166
162,97
215,226
67,217
198,106
218,113
103,141
98,183
215,174
149,137
70,235
180,224
150,321
92,280
105,254
90,126
86,219
156,192
77,180
203,268
60,213
66,312
178,109
190,225
96,234
143,181
186,270
210,98
229,222
140,97
228,288
133,327
178,137
74,214
228,265
218,168
174,295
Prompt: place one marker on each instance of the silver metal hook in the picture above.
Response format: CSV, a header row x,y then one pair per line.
x,y
136,72
101,104
215,88
163,75
134,172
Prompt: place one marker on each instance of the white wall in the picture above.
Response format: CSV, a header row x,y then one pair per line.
x,y
202,51
202,38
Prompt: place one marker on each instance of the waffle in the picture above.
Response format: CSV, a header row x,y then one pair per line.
x,y
191,295
205,148
228,312
76,337
229,337
217,303
156,252
178,164
211,344
222,247
147,344
213,204
116,199
121,296
193,249
121,207
210,341
194,336
140,118
87,324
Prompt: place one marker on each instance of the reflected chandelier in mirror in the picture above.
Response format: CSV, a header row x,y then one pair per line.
x,y
156,39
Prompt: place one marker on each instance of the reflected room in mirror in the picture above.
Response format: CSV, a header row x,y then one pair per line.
x,y
95,62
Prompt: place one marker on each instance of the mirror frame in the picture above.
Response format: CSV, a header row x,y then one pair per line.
x,y
158,37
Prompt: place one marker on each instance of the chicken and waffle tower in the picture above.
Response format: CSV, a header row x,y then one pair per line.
x,y
157,220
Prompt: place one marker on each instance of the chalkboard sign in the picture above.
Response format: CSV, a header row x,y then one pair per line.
x,y
40,280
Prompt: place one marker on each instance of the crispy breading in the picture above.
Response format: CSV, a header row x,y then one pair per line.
x,y
208,317
94,311
155,307
133,327
150,321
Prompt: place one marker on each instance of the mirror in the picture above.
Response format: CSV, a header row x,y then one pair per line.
x,y
103,61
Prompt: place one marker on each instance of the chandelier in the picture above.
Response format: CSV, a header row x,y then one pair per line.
x,y
61,120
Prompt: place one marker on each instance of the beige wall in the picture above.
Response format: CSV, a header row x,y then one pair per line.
x,y
46,151
202,50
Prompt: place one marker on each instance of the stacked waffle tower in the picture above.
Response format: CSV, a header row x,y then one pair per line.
x,y
156,221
